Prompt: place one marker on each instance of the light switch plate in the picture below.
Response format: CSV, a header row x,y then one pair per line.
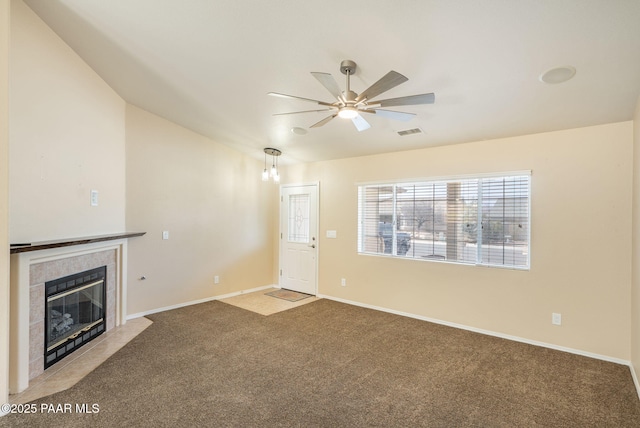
x,y
165,234
94,198
332,234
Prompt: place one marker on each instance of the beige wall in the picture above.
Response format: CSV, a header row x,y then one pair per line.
x,y
4,200
635,294
210,198
70,133
66,138
580,250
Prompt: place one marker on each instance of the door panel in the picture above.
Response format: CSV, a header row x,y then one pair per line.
x,y
298,243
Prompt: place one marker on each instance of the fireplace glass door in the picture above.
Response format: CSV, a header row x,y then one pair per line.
x,y
75,312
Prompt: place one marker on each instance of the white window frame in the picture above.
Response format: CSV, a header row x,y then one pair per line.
x,y
362,207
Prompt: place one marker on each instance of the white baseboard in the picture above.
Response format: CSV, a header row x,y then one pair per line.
x,y
635,379
195,302
487,332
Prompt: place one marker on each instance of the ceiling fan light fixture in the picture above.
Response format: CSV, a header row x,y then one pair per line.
x,y
348,112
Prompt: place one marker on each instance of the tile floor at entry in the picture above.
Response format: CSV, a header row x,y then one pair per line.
x,y
262,304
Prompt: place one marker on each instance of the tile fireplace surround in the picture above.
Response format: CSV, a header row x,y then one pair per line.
x,y
31,267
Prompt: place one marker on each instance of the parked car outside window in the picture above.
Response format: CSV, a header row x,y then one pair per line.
x,y
385,232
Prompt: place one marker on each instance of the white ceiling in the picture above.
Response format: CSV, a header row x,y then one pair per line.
x,y
209,64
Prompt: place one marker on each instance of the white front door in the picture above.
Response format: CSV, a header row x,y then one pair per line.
x,y
298,238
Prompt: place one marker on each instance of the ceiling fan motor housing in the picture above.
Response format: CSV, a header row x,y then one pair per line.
x,y
347,66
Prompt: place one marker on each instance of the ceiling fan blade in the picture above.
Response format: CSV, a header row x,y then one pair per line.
x,y
304,111
395,115
360,123
328,82
388,81
411,100
323,121
322,103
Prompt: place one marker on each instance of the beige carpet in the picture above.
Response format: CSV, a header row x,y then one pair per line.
x,y
328,364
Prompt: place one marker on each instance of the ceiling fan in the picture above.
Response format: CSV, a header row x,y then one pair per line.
x,y
349,104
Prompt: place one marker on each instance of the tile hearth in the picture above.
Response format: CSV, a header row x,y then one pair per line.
x,y
71,370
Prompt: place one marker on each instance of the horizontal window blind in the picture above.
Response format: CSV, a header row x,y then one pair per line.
x,y
472,220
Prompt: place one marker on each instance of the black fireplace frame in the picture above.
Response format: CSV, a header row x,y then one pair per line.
x,y
65,284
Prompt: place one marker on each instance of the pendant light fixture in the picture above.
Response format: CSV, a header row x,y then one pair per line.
x,y
274,153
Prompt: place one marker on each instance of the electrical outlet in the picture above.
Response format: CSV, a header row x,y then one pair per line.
x,y
343,282
216,279
556,319
165,234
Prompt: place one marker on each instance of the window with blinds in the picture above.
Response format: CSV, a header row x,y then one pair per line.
x,y
483,220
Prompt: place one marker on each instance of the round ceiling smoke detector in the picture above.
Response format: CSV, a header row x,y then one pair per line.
x,y
558,75
299,131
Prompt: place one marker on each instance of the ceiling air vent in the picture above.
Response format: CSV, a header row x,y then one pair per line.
x,y
410,132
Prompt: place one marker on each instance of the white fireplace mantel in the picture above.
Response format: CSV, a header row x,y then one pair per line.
x,y
22,263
